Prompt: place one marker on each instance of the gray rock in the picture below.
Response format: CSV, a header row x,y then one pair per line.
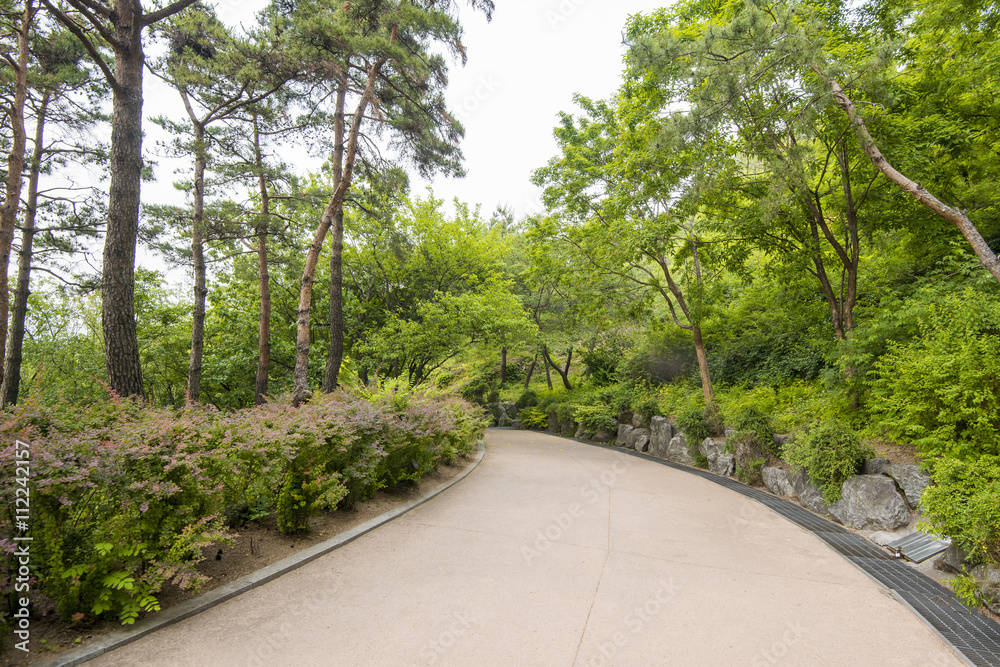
x,y
988,581
518,424
807,493
776,481
781,440
912,480
603,435
511,410
623,433
876,467
637,420
660,433
871,502
678,450
954,559
730,432
637,439
553,424
579,431
503,420
567,428
720,461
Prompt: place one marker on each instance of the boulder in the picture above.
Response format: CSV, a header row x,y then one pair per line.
x,y
553,423
776,481
660,433
511,409
678,450
781,440
567,428
504,420
518,424
638,439
987,579
730,432
954,559
911,479
720,460
623,433
871,502
808,494
579,431
876,467
637,420
603,436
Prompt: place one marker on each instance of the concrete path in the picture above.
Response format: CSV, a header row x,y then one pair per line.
x,y
558,553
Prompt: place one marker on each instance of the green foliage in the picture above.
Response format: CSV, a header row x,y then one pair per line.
x,y
967,590
753,424
596,417
534,417
830,452
942,390
751,444
964,503
528,398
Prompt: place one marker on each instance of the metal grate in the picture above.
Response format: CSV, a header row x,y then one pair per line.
x,y
919,546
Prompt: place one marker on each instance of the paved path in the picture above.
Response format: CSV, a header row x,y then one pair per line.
x,y
558,553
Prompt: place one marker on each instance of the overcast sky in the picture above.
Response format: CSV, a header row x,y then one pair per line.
x,y
523,68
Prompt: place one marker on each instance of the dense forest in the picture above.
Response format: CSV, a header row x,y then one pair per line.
x,y
787,212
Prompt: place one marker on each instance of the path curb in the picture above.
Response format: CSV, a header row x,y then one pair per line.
x,y
228,591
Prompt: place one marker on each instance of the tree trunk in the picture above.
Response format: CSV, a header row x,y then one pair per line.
x,y
301,391
263,278
335,355
531,371
198,255
563,373
953,215
548,374
15,167
706,378
121,344
503,364
12,366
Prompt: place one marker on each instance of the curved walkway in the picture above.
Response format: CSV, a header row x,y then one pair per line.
x,y
558,553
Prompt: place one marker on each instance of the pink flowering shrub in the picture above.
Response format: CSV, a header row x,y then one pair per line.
x,y
124,497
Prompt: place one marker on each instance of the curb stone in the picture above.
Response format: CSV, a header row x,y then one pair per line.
x,y
217,596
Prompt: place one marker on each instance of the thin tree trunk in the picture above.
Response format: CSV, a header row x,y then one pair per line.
x,y
531,371
301,392
15,166
12,365
548,375
121,344
198,255
953,215
335,355
263,278
706,378
563,373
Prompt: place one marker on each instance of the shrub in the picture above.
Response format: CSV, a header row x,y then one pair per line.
x,y
942,391
964,503
596,417
527,399
751,444
829,453
534,417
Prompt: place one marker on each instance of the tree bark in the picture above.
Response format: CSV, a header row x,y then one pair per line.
x,y
301,392
263,278
335,355
15,167
706,380
953,215
12,364
531,371
198,257
563,373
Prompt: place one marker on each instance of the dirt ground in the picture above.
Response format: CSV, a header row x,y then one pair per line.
x,y
255,546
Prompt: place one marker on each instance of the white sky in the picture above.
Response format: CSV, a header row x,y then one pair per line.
x,y
524,67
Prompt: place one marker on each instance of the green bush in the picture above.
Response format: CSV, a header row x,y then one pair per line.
x,y
829,453
527,399
964,503
534,417
596,417
942,391
751,444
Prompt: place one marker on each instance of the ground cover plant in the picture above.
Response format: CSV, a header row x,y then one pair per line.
x,y
126,496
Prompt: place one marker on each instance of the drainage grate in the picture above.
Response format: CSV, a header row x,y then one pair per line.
x,y
918,546
973,635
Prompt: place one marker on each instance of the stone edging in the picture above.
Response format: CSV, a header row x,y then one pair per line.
x,y
228,591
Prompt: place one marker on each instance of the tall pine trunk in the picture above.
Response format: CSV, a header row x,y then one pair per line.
x,y
335,355
263,277
198,256
12,364
121,344
15,167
